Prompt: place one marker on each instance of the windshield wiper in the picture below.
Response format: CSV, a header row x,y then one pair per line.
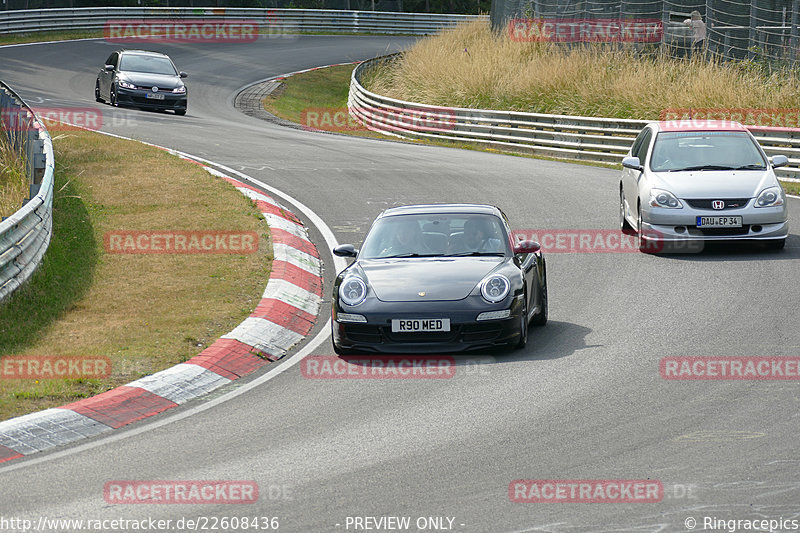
x,y
703,167
466,254
401,256
751,167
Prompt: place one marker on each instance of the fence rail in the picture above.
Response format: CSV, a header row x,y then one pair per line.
x,y
599,140
269,20
25,235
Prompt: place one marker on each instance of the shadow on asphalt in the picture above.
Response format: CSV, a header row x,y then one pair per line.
x,y
552,341
735,251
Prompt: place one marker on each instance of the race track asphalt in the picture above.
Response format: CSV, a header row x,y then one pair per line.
x,y
584,400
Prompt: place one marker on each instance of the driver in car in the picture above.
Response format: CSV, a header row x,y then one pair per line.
x,y
406,238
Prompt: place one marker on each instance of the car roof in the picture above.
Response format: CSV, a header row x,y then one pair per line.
x,y
427,209
691,124
143,52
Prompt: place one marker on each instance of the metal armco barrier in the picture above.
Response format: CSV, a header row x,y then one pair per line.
x,y
25,235
270,20
599,140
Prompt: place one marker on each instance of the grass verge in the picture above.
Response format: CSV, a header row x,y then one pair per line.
x,y
317,99
14,185
469,66
143,312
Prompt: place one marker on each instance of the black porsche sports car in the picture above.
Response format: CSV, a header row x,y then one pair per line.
x,y
138,78
438,278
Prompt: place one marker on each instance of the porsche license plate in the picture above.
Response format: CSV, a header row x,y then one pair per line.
x,y
155,96
719,222
408,325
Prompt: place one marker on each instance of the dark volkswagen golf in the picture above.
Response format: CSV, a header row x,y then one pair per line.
x,y
137,78
436,278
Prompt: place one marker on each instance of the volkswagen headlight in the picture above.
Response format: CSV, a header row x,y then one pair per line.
x,y
495,288
126,84
353,290
179,90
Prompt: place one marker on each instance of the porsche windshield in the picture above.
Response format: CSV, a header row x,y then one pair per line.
x,y
149,64
705,150
436,235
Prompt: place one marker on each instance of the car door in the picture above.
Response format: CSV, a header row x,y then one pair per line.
x,y
631,177
528,265
107,77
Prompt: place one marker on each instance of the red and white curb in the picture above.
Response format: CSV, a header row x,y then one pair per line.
x,y
285,315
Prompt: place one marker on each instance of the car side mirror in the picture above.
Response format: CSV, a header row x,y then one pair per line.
x,y
183,74
110,68
527,247
779,161
632,163
345,250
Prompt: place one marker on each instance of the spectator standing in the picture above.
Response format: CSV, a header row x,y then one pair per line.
x,y
698,32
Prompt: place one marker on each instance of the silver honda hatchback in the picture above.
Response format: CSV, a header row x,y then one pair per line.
x,y
707,181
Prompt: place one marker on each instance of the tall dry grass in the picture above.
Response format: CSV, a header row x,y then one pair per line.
x,y
469,66
13,181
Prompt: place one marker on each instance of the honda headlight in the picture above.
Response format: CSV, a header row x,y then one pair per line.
x,y
770,197
126,84
353,290
662,198
495,288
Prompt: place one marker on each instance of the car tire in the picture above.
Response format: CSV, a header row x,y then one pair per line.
x,y
523,326
180,112
624,226
97,97
777,244
645,246
112,96
540,318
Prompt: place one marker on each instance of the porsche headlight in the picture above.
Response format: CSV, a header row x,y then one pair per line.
x,y
126,84
353,290
495,288
662,198
770,197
